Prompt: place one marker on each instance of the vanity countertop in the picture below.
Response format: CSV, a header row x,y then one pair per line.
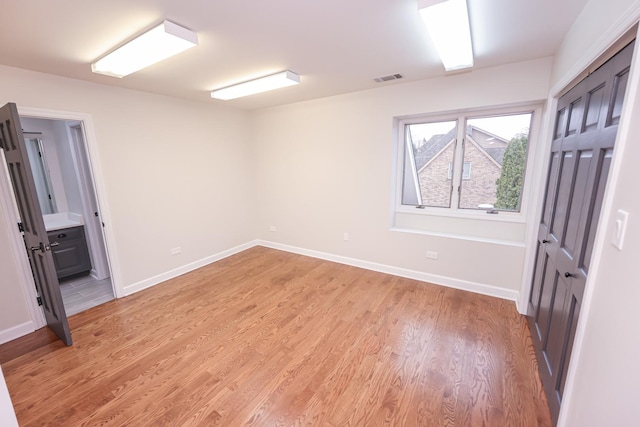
x,y
61,221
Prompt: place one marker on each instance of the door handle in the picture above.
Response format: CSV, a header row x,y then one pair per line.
x,y
37,248
545,241
51,245
567,274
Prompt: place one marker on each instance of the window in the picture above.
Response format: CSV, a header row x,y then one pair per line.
x,y
466,170
438,156
430,148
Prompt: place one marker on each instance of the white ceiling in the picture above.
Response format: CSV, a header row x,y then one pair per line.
x,y
337,46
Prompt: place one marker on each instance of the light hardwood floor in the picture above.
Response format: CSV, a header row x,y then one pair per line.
x,y
268,338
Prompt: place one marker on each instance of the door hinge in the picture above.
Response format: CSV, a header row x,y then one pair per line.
x,y
20,227
39,299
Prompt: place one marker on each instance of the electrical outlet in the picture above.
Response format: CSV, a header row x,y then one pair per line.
x,y
345,236
176,250
273,228
432,255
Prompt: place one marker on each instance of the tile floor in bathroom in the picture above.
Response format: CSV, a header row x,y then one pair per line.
x,y
82,293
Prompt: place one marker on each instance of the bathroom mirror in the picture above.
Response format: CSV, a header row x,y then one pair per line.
x,y
38,162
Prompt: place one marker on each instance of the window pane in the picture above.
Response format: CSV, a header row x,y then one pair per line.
x,y
427,176
466,170
495,151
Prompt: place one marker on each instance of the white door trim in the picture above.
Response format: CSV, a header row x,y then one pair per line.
x,y
84,176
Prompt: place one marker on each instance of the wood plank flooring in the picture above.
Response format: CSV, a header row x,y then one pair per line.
x,y
269,338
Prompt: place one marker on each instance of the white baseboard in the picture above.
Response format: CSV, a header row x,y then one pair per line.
x,y
147,283
450,282
479,288
16,332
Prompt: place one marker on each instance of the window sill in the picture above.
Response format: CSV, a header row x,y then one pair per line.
x,y
512,217
507,229
480,239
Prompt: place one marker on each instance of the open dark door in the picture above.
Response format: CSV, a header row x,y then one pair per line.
x,y
35,235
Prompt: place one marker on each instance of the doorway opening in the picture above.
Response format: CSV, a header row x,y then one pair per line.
x,y
66,192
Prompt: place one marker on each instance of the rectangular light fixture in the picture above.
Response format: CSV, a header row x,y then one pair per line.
x,y
262,84
448,25
161,42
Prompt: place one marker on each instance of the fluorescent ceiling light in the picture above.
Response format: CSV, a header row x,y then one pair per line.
x,y
262,84
161,42
448,25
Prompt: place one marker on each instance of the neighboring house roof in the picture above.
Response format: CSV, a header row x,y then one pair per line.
x,y
496,154
429,149
493,145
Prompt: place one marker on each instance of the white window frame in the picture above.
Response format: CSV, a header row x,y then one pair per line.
x,y
461,116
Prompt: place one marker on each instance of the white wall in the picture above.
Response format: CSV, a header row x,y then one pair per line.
x,y
602,384
594,27
7,414
326,167
175,173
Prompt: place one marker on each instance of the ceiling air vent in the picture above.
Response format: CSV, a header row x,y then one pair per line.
x,y
389,77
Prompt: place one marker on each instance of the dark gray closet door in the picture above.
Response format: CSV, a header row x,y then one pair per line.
x,y
35,236
586,125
